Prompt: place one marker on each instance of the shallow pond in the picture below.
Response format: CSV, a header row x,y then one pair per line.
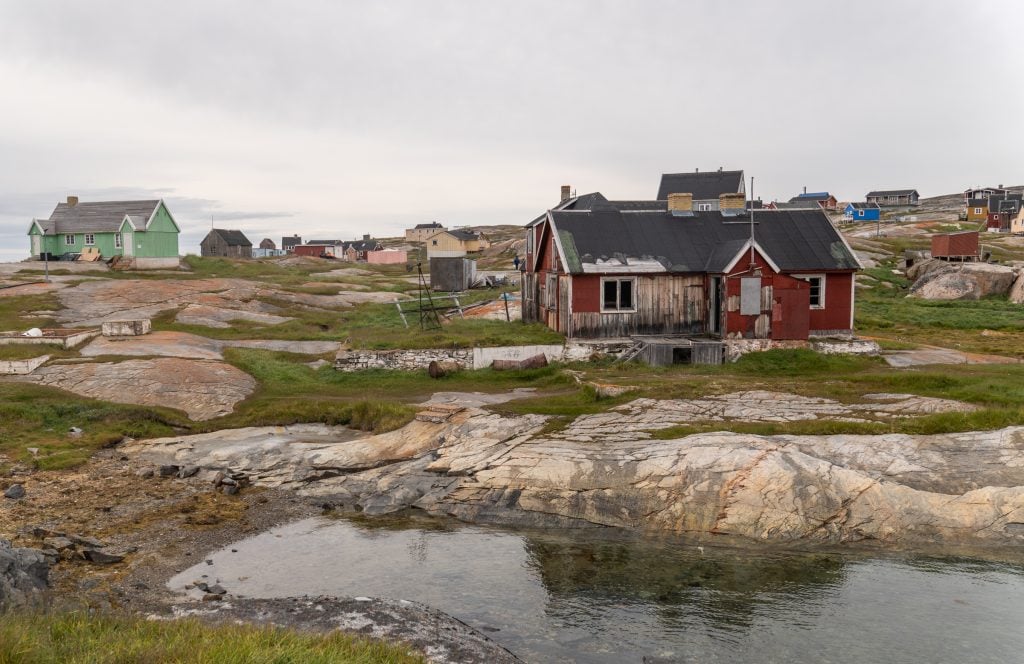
x,y
599,596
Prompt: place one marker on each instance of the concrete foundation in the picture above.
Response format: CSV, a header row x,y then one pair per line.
x,y
21,367
127,328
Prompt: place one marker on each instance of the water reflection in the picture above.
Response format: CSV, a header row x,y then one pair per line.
x,y
602,596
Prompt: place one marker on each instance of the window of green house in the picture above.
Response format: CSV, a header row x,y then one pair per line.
x,y
117,240
90,239
69,240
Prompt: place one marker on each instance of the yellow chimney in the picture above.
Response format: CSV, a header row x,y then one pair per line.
x,y
680,202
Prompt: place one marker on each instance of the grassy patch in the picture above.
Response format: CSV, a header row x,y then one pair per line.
x,y
37,416
79,637
19,313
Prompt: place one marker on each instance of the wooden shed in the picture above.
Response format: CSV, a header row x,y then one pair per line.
x,y
963,246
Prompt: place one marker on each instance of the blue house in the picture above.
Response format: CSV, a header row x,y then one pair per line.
x,y
862,212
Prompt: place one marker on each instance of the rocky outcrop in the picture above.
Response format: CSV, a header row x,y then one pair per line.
x,y
202,388
939,280
24,575
441,638
607,470
1016,294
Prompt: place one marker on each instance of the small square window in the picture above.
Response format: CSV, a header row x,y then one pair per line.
x,y
90,239
617,295
817,283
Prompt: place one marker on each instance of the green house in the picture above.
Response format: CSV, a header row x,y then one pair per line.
x,y
144,231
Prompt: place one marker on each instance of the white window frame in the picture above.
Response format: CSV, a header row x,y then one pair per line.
x,y
90,239
117,240
69,240
618,295
860,213
977,210
703,207
821,287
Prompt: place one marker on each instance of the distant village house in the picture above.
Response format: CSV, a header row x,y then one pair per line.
x,y
824,199
862,212
893,197
456,242
422,232
288,244
226,243
705,187
143,232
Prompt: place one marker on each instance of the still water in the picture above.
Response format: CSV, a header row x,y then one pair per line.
x,y
595,596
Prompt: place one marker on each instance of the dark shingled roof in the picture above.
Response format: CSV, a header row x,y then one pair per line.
x,y
232,238
96,217
805,204
817,195
865,206
433,224
464,234
795,240
362,245
892,192
703,186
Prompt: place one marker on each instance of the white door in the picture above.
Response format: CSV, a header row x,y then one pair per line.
x,y
128,242
36,245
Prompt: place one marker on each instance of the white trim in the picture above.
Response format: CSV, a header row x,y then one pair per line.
x,y
166,209
823,285
631,280
73,240
117,240
745,249
86,239
853,296
35,222
128,219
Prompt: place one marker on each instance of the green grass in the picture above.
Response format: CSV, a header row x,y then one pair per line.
x,y
79,638
37,416
16,313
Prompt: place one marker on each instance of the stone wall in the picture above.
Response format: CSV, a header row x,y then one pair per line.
x,y
127,328
472,358
21,367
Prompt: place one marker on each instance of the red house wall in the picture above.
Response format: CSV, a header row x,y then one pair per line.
x,y
586,293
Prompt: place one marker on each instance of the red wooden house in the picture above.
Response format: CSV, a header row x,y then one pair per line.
x,y
599,268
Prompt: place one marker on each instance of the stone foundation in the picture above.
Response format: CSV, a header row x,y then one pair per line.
x,y
473,358
21,367
126,328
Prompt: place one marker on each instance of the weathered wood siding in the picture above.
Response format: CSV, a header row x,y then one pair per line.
x,y
664,304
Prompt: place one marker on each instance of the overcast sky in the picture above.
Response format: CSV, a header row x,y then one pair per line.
x,y
342,118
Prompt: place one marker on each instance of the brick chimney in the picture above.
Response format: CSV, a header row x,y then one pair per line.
x,y
680,204
366,237
72,201
565,193
732,205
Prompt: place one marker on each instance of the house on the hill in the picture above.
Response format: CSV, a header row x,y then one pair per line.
x,y
605,271
356,250
226,243
1002,209
983,193
862,212
142,231
288,244
705,187
823,198
977,210
893,197
422,232
456,242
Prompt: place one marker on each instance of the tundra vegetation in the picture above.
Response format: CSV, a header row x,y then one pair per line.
x,y
36,419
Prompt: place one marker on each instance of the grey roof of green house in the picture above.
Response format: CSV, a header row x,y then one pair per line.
x,y
97,217
893,192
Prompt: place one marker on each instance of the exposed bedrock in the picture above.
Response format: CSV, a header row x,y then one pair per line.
x,y
965,488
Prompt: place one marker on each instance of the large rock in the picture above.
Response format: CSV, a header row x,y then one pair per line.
x,y
608,470
964,281
1016,294
24,575
202,388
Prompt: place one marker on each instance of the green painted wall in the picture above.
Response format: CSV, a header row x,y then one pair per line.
x,y
57,244
152,244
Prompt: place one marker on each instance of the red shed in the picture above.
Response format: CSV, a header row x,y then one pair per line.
x,y
956,246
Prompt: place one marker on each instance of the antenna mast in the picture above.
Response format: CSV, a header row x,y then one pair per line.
x,y
752,262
